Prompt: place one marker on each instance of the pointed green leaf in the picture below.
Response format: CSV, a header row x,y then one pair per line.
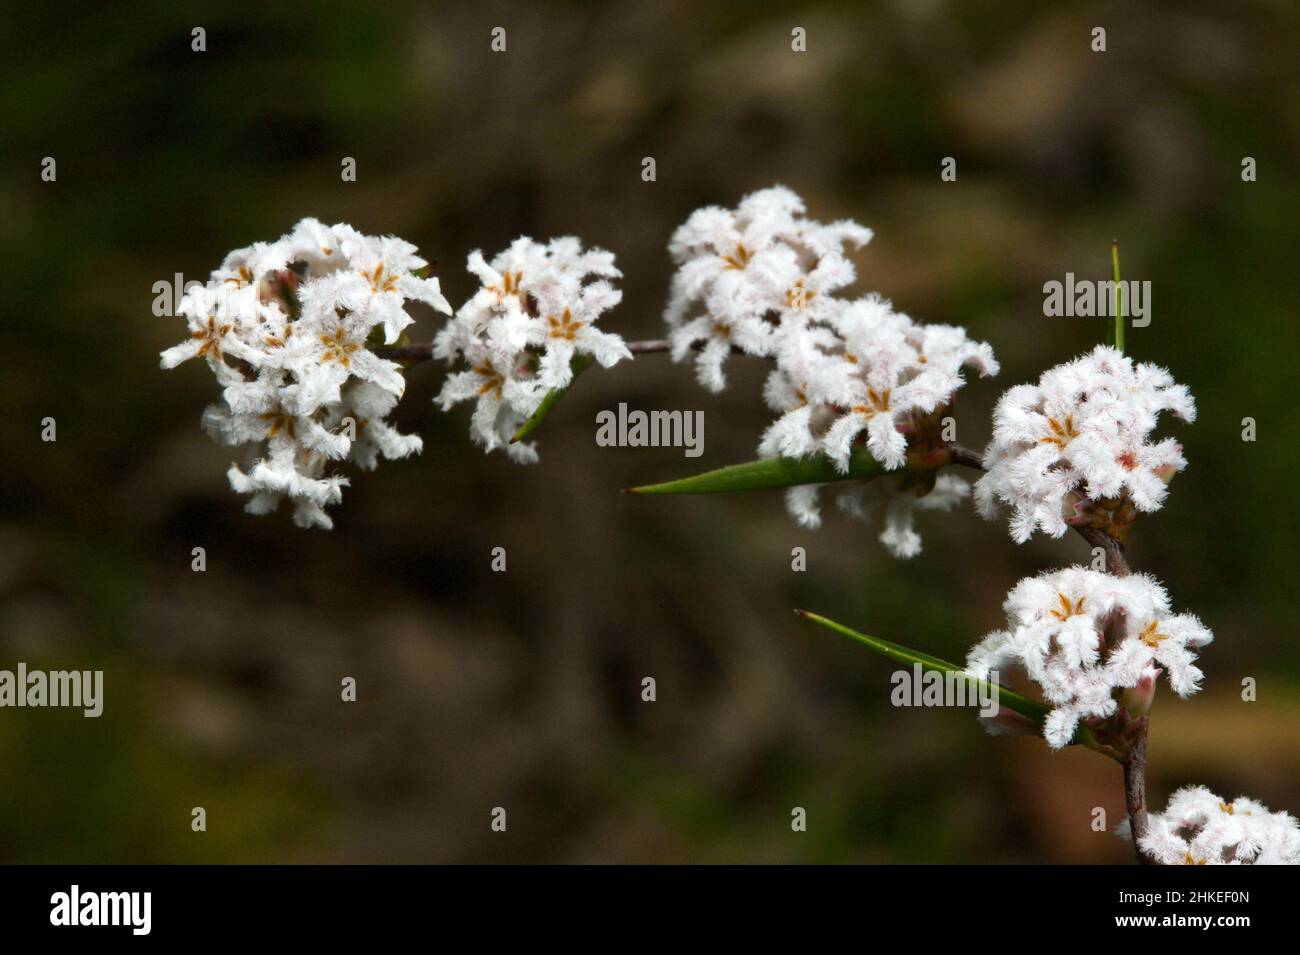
x,y
579,364
769,473
900,654
1030,709
1117,313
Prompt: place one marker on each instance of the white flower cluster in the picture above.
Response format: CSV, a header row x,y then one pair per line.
x,y
1085,428
285,326
749,271
1085,637
1199,828
761,279
520,332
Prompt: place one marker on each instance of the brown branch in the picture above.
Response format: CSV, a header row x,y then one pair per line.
x,y
652,346
965,456
1116,561
424,350
421,352
1135,790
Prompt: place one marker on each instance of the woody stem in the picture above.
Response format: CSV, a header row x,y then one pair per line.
x,y
1135,790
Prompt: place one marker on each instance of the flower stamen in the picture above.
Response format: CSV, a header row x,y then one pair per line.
x,y
738,259
877,403
1068,608
1062,432
564,327
211,338
338,347
1151,637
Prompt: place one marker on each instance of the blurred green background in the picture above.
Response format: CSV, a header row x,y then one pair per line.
x,y
522,689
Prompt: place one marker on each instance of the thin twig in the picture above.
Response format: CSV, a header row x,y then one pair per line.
x,y
424,350
965,456
649,347
421,352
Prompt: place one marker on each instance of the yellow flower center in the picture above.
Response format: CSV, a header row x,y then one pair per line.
x,y
877,402
1068,608
738,259
1062,432
338,347
511,284
563,327
1151,637
381,281
211,338
277,421
492,381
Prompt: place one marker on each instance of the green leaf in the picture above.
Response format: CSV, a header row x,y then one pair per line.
x,y
579,364
769,473
1012,700
1117,323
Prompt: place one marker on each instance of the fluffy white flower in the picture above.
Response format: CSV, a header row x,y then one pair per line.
x,y
505,392
868,368
762,279
1083,429
534,313
1199,828
903,371
222,322
811,376
1085,637
285,327
381,280
743,273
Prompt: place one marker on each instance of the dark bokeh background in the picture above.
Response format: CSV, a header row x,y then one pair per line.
x,y
522,689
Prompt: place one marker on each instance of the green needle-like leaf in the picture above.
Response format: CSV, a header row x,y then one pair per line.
x,y
1009,698
769,473
579,364
1117,321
